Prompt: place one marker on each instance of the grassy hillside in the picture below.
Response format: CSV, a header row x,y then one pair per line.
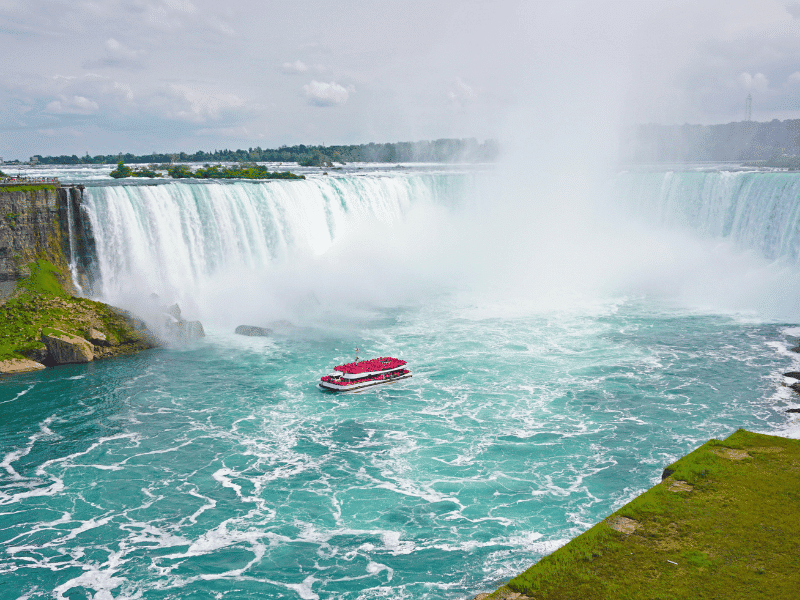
x,y
41,304
724,524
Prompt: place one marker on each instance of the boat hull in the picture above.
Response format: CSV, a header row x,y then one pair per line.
x,y
352,387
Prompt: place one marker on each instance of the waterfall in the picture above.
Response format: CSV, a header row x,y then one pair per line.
x,y
73,252
179,236
756,210
238,250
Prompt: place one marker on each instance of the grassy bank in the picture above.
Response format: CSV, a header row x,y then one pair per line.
x,y
724,524
27,188
41,303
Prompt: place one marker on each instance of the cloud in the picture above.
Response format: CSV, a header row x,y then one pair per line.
x,y
327,94
185,103
294,68
794,9
228,132
60,133
117,49
794,77
77,105
754,83
117,54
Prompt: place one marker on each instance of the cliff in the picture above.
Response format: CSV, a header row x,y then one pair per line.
x,y
43,325
43,321
35,224
721,524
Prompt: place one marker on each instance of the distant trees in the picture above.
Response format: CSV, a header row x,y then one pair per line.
x,y
121,171
242,171
443,150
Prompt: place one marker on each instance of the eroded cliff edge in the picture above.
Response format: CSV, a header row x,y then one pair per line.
x,y
43,320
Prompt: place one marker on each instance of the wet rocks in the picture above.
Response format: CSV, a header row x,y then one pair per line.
x,y
253,331
98,338
179,329
63,348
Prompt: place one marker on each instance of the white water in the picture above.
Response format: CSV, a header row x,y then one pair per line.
x,y
719,241
220,469
196,243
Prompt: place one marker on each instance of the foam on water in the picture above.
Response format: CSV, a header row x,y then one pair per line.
x,y
209,471
219,469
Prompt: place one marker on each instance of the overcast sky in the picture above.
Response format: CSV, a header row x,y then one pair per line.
x,y
108,76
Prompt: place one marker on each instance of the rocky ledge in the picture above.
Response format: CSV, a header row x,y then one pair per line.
x,y
41,326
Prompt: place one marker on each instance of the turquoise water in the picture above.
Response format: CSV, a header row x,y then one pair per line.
x,y
221,471
560,357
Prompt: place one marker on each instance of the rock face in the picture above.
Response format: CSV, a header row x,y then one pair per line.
x,y
252,330
98,338
34,222
63,348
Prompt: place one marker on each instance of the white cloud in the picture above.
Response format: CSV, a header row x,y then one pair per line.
x,y
116,54
60,133
327,94
753,83
794,77
77,105
119,50
227,132
196,106
294,68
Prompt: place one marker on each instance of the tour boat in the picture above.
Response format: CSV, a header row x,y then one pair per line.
x,y
364,373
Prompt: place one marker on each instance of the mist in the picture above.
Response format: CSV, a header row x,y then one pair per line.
x,y
546,227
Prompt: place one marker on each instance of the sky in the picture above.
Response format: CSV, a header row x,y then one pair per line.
x,y
141,76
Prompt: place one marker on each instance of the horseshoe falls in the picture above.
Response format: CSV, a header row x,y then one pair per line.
x,y
565,347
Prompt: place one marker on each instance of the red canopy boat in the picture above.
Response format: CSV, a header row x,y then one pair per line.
x,y
364,373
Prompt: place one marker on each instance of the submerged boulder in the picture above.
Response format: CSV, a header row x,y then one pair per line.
x,y
252,330
63,348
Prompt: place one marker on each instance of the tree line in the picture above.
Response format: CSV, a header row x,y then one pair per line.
x,y
443,150
242,171
777,142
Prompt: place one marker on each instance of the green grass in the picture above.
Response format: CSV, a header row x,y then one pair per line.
x,y
735,535
44,279
27,188
41,304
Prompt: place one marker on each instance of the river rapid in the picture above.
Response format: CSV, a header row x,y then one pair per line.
x,y
560,360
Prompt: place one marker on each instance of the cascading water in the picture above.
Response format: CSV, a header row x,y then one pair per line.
x,y
172,239
756,210
73,251
219,469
